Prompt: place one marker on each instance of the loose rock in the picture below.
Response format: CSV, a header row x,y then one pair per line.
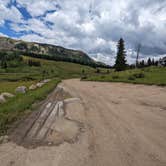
x,y
21,89
6,94
2,99
46,81
32,87
1,139
4,139
40,84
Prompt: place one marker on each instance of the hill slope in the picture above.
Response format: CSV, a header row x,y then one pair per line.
x,y
21,71
46,51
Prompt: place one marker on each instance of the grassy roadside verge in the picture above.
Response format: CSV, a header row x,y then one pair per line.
x,y
19,105
148,76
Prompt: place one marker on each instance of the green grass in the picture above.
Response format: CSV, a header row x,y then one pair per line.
x,y
19,105
23,74
149,76
12,77
52,69
7,86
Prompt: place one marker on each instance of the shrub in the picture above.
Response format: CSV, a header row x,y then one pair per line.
x,y
131,78
139,75
115,77
83,71
102,76
98,71
108,71
34,63
21,46
84,77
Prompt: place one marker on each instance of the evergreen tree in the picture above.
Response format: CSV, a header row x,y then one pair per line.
x,y
156,63
153,62
4,64
149,63
120,63
142,63
4,61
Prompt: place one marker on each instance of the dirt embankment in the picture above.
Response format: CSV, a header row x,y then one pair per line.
x,y
98,124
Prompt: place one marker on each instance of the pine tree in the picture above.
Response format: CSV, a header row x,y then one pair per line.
x,y
149,63
142,63
153,62
4,62
120,63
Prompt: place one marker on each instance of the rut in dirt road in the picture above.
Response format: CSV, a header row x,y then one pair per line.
x,y
37,129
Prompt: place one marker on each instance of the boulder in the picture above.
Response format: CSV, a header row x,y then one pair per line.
x,y
2,99
7,95
21,89
4,139
1,139
46,81
32,87
40,84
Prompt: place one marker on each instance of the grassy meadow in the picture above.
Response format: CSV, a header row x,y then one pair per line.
x,y
24,75
149,76
21,104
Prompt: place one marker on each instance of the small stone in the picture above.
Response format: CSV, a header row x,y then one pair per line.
x,y
2,99
5,139
32,87
40,84
21,89
1,139
46,81
6,94
50,143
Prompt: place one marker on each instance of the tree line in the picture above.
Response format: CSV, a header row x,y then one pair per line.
x,y
66,59
121,62
7,57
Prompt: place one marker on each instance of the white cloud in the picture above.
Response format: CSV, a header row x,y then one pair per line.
x,y
88,27
10,14
38,7
94,26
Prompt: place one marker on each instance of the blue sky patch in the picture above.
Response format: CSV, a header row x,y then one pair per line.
x,y
6,29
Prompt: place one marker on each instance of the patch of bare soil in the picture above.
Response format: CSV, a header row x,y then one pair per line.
x,y
92,124
48,125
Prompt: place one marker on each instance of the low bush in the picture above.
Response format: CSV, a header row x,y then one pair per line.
x,y
139,75
115,77
98,70
131,78
103,76
83,77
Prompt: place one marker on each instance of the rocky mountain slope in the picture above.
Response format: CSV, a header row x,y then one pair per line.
x,y
46,51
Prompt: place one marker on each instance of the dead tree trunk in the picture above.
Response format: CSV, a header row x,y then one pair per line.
x,y
138,51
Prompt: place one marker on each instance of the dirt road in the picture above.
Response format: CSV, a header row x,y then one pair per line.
x,y
103,124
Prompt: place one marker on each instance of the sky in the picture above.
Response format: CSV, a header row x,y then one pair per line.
x,y
93,26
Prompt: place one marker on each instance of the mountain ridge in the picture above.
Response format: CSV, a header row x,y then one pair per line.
x,y
47,51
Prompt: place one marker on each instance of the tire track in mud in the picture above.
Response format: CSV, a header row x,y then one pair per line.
x,y
41,126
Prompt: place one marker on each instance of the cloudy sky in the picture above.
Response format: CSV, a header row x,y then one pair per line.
x,y
93,26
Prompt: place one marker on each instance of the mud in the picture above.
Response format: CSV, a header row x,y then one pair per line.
x,y
48,125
